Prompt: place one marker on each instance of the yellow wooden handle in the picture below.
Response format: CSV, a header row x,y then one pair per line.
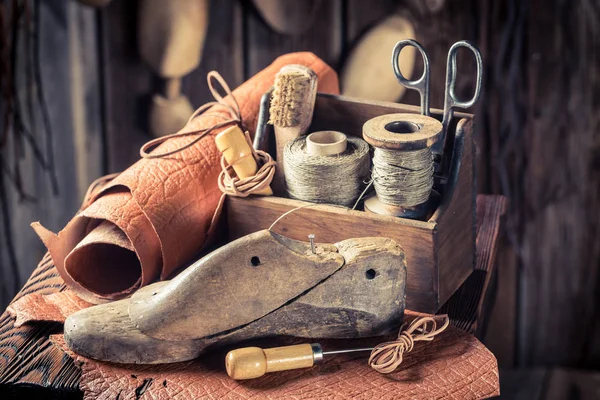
x,y
253,362
238,153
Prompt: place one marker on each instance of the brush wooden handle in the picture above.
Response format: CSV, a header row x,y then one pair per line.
x,y
282,137
238,153
294,84
254,362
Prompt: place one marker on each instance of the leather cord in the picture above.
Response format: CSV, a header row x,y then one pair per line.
x,y
232,116
388,356
230,184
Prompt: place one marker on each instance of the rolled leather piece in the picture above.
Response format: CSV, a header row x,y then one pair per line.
x,y
159,213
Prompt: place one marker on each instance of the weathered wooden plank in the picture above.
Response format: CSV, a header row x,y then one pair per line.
x,y
500,132
223,51
86,96
523,384
70,87
455,236
27,358
560,243
361,15
572,384
324,38
129,83
500,335
466,305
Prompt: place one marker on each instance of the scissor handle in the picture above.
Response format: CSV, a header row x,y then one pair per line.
x,y
450,99
421,85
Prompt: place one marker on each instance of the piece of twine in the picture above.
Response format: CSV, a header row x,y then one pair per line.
x,y
403,178
231,116
388,356
232,185
335,179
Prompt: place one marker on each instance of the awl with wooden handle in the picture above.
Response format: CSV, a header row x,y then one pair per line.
x,y
254,362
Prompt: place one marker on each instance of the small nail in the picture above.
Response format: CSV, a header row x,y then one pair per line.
x,y
311,237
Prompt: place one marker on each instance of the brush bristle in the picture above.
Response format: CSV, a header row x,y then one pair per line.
x,y
289,99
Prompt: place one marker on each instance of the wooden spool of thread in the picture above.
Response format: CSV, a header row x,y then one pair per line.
x,y
326,143
326,167
402,163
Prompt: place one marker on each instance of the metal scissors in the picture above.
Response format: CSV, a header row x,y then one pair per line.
x,y
421,85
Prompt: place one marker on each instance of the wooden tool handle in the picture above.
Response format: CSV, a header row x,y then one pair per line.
x,y
283,136
238,153
253,362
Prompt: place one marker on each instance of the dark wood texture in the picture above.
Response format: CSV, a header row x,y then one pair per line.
x,y
362,15
523,384
455,216
27,356
129,83
469,303
439,252
70,85
541,125
500,335
324,38
549,384
560,188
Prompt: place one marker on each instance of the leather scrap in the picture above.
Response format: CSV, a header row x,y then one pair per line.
x,y
54,307
156,215
453,366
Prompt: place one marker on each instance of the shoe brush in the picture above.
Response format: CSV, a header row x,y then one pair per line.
x,y
291,110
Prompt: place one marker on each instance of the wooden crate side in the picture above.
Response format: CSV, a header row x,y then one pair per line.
x,y
455,237
332,224
348,115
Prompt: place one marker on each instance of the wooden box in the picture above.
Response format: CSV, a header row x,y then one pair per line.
x,y
439,252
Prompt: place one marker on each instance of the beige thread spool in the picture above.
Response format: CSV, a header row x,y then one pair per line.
x,y
402,136
326,167
326,143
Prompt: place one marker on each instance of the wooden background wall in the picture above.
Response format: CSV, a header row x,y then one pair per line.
x,y
537,132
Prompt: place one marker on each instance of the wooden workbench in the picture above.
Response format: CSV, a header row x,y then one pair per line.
x,y
30,365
